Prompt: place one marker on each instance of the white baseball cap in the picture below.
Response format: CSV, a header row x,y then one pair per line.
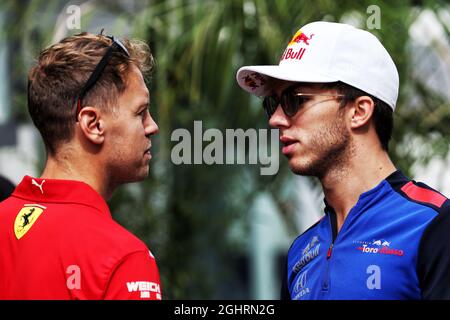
x,y
323,52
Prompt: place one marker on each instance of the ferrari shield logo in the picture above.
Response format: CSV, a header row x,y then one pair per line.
x,y
26,217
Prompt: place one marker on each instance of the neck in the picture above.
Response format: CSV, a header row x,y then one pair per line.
x,y
343,185
67,167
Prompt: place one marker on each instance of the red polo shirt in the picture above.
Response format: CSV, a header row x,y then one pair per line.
x,y
59,241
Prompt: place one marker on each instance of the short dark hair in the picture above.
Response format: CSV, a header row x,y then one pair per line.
x,y
382,117
61,70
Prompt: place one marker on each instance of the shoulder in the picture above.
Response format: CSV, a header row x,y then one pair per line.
x,y
120,234
417,192
136,276
94,232
433,264
305,236
439,227
431,201
109,234
433,261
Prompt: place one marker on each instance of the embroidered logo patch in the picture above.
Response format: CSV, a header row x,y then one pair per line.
x,y
378,246
309,252
26,217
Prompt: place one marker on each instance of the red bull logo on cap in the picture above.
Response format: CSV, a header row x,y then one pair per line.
x,y
291,54
299,37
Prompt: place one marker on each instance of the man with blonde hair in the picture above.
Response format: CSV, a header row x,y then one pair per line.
x,y
88,99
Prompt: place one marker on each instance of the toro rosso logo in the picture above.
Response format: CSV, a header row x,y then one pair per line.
x,y
378,246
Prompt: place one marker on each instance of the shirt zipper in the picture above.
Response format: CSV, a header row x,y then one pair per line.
x,y
333,225
330,251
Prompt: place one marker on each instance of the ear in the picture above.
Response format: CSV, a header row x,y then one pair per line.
x,y
362,111
92,125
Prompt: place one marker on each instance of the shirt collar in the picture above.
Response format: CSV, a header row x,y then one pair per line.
x,y
369,196
60,191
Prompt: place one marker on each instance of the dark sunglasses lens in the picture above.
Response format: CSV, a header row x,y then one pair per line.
x,y
270,105
292,102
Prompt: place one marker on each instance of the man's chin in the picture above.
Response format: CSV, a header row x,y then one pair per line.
x,y
301,169
301,172
142,175
137,177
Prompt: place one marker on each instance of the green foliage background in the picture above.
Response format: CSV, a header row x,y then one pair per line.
x,y
184,213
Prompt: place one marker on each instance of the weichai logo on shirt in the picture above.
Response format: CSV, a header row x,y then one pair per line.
x,y
378,246
26,217
145,288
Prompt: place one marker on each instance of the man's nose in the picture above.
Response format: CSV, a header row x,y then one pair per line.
x,y
151,128
279,118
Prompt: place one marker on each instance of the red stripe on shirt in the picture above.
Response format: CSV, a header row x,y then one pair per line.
x,y
423,195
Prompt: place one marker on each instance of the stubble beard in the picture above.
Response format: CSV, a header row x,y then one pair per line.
x,y
122,171
332,148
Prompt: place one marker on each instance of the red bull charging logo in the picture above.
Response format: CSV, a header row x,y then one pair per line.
x,y
299,37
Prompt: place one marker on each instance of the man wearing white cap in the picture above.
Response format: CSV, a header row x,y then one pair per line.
x,y
383,236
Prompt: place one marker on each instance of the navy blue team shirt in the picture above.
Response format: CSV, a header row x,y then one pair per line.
x,y
394,244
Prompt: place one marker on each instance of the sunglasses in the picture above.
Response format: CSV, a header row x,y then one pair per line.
x,y
291,101
115,46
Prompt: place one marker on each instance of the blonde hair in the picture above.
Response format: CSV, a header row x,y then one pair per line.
x,y
61,71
